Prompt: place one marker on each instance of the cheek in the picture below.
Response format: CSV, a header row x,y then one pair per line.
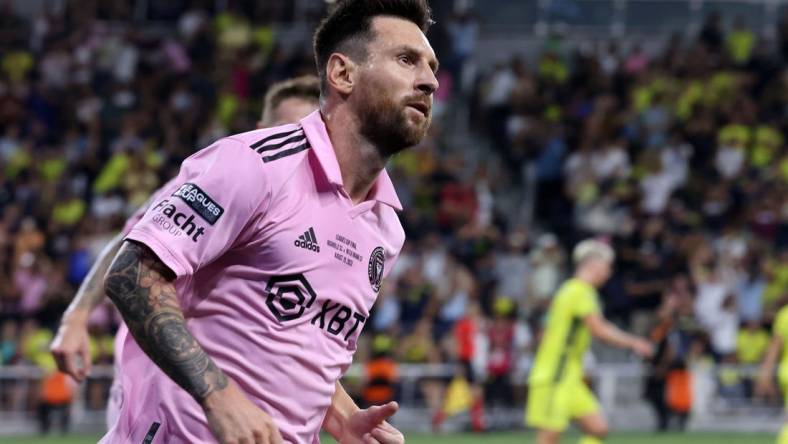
x,y
387,77
380,95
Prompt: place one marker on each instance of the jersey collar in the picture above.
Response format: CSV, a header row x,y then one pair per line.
x,y
315,129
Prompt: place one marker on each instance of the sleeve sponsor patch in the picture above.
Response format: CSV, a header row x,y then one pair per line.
x,y
199,201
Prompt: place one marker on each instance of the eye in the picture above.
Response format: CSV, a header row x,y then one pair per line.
x,y
406,59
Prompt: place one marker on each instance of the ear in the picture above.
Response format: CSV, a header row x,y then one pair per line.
x,y
341,73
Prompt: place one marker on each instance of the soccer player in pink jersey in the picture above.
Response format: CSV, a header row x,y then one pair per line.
x,y
246,285
286,101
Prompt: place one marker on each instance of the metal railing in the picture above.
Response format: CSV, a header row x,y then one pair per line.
x,y
618,387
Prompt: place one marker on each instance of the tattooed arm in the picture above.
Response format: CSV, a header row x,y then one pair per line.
x,y
70,346
143,289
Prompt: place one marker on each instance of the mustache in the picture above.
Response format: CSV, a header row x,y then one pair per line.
x,y
421,100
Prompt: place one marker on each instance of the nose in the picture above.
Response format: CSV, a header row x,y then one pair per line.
x,y
427,82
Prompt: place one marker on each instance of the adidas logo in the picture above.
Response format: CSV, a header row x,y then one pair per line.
x,y
308,241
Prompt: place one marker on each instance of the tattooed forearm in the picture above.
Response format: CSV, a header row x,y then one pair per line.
x,y
142,289
169,333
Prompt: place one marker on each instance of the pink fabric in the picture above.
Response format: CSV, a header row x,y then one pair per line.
x,y
443,94
177,56
636,63
32,286
101,316
277,289
115,400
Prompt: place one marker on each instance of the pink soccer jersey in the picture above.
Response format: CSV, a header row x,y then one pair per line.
x,y
277,270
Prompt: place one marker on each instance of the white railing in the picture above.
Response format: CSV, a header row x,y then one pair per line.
x,y
618,387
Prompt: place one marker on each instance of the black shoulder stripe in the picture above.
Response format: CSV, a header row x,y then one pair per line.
x,y
151,433
296,138
287,152
273,137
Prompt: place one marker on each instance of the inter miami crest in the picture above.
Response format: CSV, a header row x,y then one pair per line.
x,y
375,268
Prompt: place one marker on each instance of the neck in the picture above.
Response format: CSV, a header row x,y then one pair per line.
x,y
360,162
586,276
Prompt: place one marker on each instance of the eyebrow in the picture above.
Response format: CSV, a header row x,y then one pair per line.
x,y
411,51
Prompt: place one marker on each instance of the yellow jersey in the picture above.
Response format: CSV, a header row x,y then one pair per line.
x,y
780,329
566,337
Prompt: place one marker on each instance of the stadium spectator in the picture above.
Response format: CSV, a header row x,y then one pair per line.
x,y
547,271
10,343
751,346
470,361
462,31
512,268
381,373
56,397
507,341
751,343
54,390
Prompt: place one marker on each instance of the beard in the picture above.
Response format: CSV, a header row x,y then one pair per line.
x,y
385,122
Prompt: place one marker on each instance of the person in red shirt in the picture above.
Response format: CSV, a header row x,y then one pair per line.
x,y
466,332
500,362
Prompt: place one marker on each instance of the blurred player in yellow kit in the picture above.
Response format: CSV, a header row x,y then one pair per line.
x,y
778,349
557,393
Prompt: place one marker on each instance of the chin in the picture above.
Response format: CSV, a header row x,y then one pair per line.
x,y
395,133
415,133
413,140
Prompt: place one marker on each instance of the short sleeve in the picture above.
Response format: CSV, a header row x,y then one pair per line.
x,y
202,212
584,302
137,215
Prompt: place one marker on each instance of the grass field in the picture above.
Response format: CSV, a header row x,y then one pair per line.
x,y
492,438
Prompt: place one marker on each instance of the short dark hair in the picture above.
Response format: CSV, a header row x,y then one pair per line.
x,y
348,27
304,87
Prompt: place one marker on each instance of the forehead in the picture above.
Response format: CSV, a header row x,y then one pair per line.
x,y
297,101
394,32
292,109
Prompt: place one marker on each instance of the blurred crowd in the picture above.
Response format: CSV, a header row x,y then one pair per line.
x,y
97,110
677,156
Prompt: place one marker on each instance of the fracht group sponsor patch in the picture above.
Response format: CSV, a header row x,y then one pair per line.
x,y
199,201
